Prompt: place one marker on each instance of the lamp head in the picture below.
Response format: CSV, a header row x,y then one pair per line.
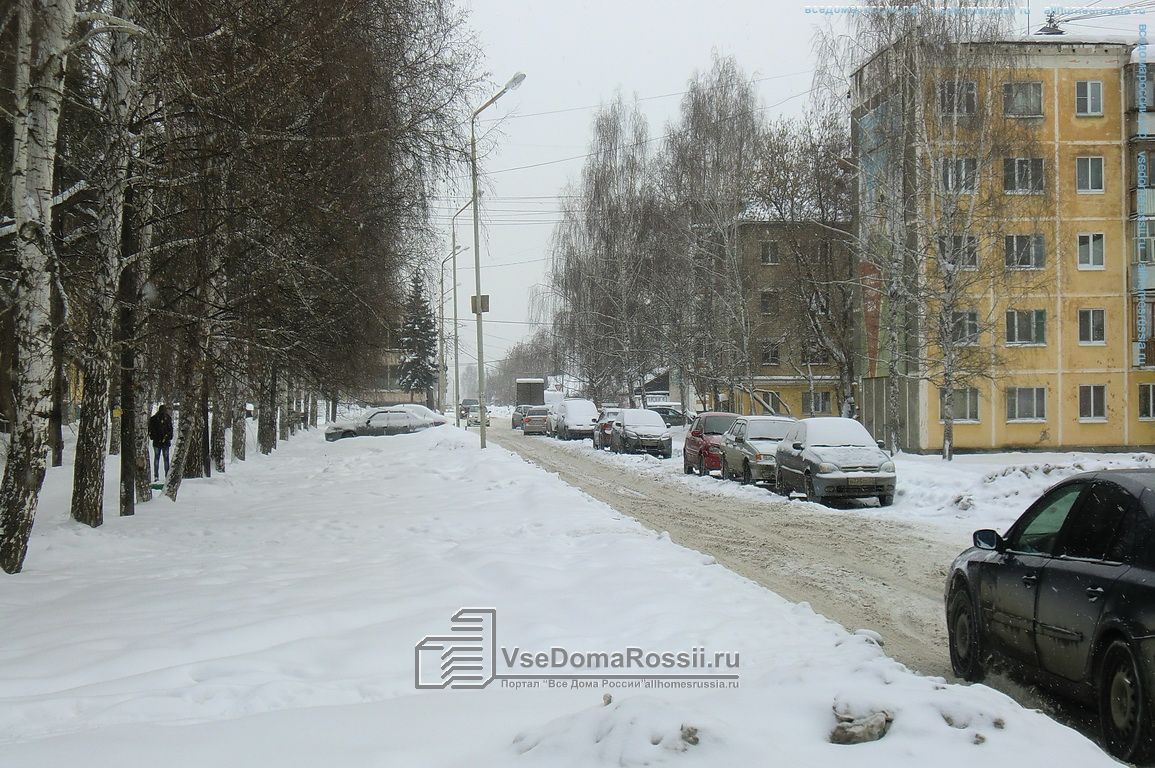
x,y
514,82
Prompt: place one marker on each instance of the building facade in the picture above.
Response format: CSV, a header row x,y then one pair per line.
x,y
1065,318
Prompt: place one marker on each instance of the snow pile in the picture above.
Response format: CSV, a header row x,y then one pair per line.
x,y
271,618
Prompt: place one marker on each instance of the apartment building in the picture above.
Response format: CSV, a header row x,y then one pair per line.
x,y
1066,319
793,374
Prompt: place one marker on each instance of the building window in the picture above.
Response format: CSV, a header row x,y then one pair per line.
x,y
1092,402
1147,401
1023,99
1091,251
958,98
1027,326
1026,403
769,353
1089,174
965,404
959,174
965,328
815,403
1088,98
1025,251
815,354
768,302
1023,175
774,400
959,250
1092,326
769,252
1144,242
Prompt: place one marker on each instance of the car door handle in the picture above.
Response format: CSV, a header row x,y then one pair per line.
x,y
1030,580
1094,593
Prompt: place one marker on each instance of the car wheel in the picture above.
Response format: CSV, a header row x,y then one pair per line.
x,y
747,476
668,454
348,434
886,500
811,494
966,648
1123,705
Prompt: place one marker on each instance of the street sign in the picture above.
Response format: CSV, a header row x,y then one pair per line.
x,y
484,303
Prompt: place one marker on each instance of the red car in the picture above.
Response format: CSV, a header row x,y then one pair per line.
x,y
703,446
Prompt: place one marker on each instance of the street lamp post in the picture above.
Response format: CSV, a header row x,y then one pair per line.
x,y
441,299
456,346
514,82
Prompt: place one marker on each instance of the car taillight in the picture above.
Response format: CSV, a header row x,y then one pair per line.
x,y
713,449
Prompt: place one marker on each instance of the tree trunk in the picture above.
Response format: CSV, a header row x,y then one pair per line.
x,y
185,452
312,410
220,419
114,406
267,416
128,418
239,424
143,474
285,405
56,420
43,29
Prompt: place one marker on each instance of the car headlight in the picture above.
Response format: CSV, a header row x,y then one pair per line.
x,y
665,435
714,450
631,435
887,466
825,467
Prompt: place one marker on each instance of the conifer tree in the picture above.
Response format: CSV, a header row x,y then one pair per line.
x,y
418,343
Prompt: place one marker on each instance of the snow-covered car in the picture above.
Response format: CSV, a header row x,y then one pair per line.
x,y
575,418
831,457
535,421
672,413
518,415
425,413
1067,595
378,423
551,424
702,448
639,430
473,418
750,446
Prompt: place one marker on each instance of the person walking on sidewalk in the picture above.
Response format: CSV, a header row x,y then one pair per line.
x,y
160,432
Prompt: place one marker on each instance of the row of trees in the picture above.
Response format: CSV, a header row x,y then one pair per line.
x,y
209,203
648,269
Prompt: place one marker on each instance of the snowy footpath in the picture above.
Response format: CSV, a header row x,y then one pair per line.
x,y
273,618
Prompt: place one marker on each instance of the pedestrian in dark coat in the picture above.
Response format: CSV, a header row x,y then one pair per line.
x,y
160,433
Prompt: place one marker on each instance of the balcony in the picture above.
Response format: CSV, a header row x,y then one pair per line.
x,y
1143,203
1143,354
1142,277
1141,126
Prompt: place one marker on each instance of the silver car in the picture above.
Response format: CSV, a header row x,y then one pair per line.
x,y
386,421
749,447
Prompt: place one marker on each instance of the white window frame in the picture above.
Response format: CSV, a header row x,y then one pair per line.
x,y
966,245
777,356
1037,250
775,298
965,93
972,399
955,172
1090,311
970,318
1016,419
1088,98
823,396
1033,323
1089,161
1009,98
1150,416
1091,390
769,257
1088,239
1023,168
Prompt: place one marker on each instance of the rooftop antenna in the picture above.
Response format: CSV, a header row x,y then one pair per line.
x,y
1051,27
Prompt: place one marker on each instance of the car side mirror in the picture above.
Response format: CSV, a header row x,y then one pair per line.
x,y
797,446
989,539
881,444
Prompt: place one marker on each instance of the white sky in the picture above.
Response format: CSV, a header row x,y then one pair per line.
x,y
577,54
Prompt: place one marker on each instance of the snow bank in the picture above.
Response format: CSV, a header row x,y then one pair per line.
x,y
271,618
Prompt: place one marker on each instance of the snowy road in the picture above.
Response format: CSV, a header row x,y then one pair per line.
x,y
860,571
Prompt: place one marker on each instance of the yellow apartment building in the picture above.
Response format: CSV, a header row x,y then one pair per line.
x,y
1064,314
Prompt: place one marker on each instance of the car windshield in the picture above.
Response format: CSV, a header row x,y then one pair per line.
x,y
610,413
716,425
837,432
638,417
767,430
543,411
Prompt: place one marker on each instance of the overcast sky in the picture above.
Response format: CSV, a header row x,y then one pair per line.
x,y
577,54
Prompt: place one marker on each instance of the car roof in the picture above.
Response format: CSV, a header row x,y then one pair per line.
x,y
716,413
1137,480
781,419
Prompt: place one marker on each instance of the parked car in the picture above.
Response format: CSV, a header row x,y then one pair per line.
x,y
605,426
575,418
474,416
1068,595
750,445
551,429
386,421
465,405
639,430
518,415
703,446
672,413
425,413
831,457
536,420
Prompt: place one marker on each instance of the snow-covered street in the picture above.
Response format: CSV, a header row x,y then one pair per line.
x,y
271,617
